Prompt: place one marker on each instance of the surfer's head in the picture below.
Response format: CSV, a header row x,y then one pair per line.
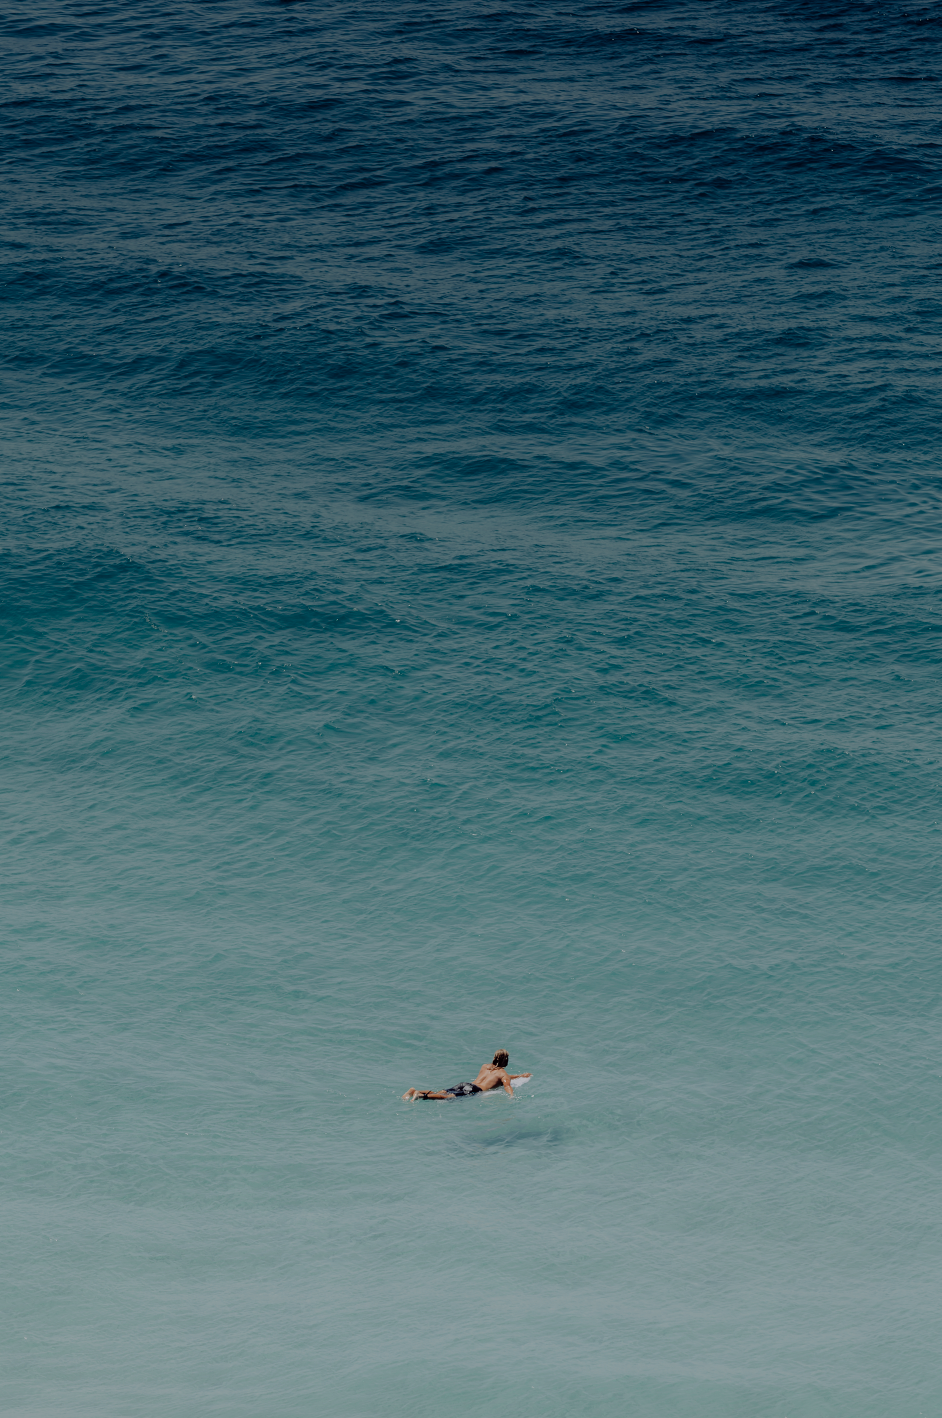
x,y
501,1058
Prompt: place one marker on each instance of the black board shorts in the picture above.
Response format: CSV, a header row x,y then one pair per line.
x,y
463,1090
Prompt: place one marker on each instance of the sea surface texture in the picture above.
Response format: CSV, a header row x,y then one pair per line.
x,y
470,529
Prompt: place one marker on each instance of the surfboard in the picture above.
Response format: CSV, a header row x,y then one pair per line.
x,y
514,1083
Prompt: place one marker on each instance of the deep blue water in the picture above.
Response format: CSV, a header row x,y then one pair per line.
x,y
470,578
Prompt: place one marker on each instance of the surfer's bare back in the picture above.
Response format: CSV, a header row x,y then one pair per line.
x,y
492,1075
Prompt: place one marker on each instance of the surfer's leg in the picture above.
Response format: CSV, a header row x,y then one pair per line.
x,y
411,1094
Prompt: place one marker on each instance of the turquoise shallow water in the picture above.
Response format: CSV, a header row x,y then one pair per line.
x,y
470,578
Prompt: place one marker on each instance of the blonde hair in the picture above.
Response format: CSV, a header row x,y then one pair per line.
x,y
501,1058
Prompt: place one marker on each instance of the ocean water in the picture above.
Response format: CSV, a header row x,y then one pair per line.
x,y
470,578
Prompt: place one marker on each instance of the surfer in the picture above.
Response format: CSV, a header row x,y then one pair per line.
x,y
492,1075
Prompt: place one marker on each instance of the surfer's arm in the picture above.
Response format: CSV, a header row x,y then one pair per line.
x,y
508,1086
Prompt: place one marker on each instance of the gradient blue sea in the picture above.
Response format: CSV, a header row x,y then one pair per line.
x,y
470,529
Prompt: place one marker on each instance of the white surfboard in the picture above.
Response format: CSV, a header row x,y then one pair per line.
x,y
514,1083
